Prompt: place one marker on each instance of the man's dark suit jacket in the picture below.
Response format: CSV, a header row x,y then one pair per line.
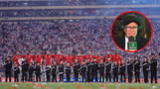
x,y
141,42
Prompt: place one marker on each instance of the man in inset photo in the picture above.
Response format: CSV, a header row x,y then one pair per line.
x,y
131,32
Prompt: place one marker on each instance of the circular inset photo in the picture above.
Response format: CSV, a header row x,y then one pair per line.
x,y
131,31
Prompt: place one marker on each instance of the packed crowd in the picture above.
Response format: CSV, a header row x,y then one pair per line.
x,y
37,37
71,36
12,3
73,12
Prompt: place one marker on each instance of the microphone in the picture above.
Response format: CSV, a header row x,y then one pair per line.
x,y
132,44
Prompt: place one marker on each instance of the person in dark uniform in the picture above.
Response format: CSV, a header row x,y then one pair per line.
x,y
0,78
94,70
123,72
25,66
108,66
76,66
54,71
83,71
61,71
145,70
38,73
68,72
115,72
8,69
31,70
137,70
16,73
153,67
89,71
48,72
101,70
130,70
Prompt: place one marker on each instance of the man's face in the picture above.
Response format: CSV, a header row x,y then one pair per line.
x,y
131,29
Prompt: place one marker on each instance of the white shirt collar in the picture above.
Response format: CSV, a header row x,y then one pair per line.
x,y
126,43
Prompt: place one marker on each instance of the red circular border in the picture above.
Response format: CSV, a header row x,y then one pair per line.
x,y
151,30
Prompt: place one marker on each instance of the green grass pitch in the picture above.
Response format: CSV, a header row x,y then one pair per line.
x,y
78,86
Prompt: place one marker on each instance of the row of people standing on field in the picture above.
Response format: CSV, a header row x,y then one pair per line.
x,y
87,71
58,58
